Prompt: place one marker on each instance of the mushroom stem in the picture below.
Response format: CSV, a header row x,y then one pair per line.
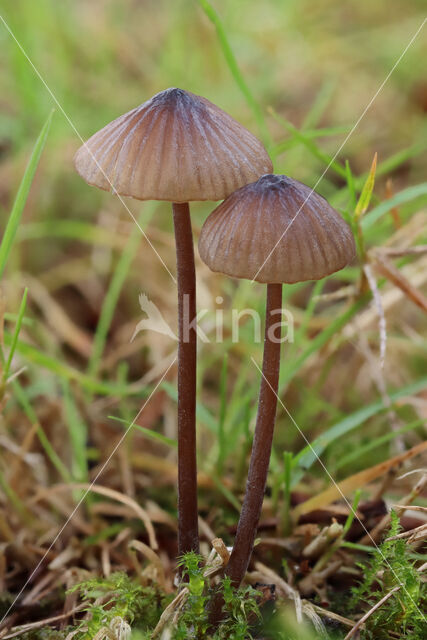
x,y
263,438
188,535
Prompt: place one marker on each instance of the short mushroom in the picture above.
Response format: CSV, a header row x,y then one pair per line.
x,y
177,147
276,230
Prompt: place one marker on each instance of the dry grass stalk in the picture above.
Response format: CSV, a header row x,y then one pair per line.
x,y
384,266
221,550
394,210
323,540
18,631
413,535
153,558
380,310
325,613
375,534
419,250
356,481
109,493
367,615
57,319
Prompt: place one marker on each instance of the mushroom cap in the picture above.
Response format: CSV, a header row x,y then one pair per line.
x,y
276,230
177,147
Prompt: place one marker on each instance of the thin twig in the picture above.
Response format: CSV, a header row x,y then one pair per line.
x,y
379,528
367,615
403,251
380,309
17,631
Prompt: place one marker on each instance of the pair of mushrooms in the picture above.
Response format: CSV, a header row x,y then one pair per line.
x,y
180,147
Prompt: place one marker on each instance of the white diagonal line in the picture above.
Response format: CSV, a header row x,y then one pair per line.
x,y
70,122
86,492
343,143
339,489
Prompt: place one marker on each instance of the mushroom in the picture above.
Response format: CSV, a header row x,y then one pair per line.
x,y
177,147
276,230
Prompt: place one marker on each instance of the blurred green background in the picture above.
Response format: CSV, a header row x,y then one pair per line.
x,y
311,68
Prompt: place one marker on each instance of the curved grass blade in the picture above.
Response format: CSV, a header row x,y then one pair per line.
x,y
61,370
406,195
149,433
360,452
15,338
308,142
22,195
307,456
234,68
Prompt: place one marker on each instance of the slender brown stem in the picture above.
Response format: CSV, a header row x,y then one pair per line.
x,y
188,536
263,438
261,450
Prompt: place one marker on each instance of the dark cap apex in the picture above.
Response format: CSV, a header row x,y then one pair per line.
x,y
274,181
173,96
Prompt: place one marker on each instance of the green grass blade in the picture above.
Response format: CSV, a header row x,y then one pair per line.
x,y
358,547
202,414
361,450
228,495
285,517
68,230
318,342
235,71
15,337
396,160
113,293
149,433
56,461
406,195
307,141
33,355
78,432
320,104
308,313
365,196
307,456
13,318
351,186
326,132
22,195
352,514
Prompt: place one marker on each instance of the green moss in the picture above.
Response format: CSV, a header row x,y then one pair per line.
x,y
392,564
122,597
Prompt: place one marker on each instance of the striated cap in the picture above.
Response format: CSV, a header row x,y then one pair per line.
x,y
177,147
276,230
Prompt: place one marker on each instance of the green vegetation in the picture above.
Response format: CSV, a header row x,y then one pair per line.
x,y
392,570
240,605
118,597
73,263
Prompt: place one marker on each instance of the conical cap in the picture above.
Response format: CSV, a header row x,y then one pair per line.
x,y
177,147
276,230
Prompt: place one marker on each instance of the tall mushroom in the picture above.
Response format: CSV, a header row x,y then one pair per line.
x,y
276,230
177,147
